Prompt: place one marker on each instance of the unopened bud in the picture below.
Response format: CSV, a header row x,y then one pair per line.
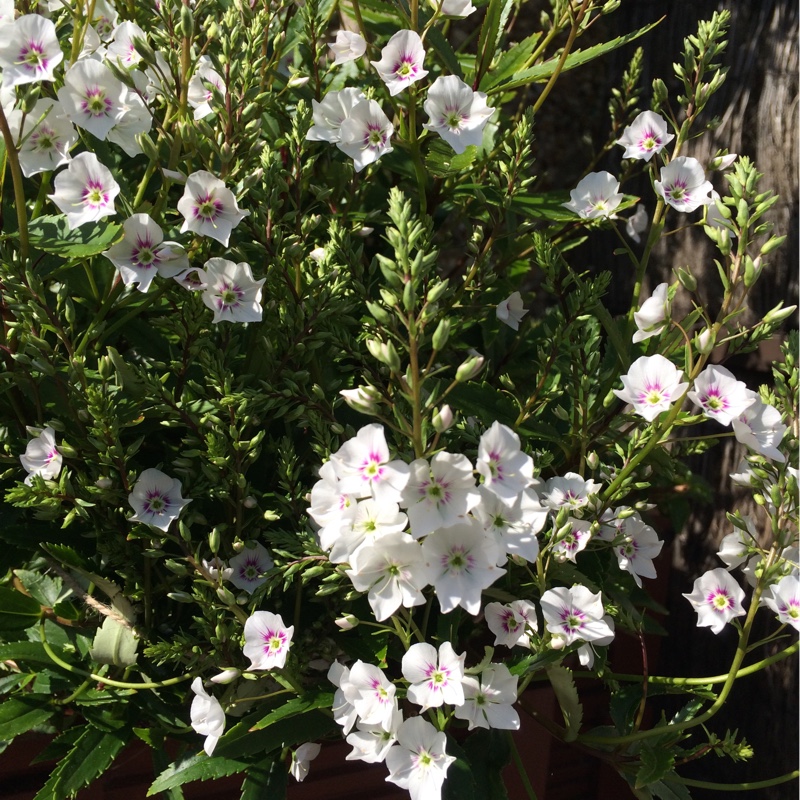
x,y
441,334
705,341
442,419
723,160
250,502
225,595
226,676
385,353
557,643
104,483
778,314
592,460
347,622
470,368
364,399
688,281
180,597
296,81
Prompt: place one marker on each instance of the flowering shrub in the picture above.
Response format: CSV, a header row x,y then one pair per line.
x,y
287,454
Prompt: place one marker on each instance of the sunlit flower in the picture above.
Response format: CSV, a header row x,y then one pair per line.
x,y
645,136
85,190
248,567
209,208
596,196
301,758
372,521
651,386
201,87
571,491
720,395
344,712
41,456
156,499
122,48
329,115
455,8
104,18
574,541
208,718
419,762
506,470
651,318
488,703
760,428
48,136
717,598
511,623
456,112
371,693
266,640
784,599
348,47
371,742
230,291
364,135
511,310
29,50
331,508
575,614
513,527
92,97
434,679
401,61
640,546
135,120
683,184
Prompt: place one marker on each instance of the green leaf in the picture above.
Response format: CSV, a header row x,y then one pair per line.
x,y
52,235
543,72
567,696
484,401
196,768
299,705
114,643
487,41
267,779
26,652
667,790
17,611
510,62
18,716
489,753
91,755
443,162
48,591
657,761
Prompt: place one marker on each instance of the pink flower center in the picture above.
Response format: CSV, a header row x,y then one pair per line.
x,y
207,207
32,57
95,103
94,194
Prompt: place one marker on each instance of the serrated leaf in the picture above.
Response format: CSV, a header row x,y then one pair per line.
x,y
52,235
667,790
115,644
18,716
657,761
442,162
196,768
567,696
299,705
17,611
267,779
510,61
48,591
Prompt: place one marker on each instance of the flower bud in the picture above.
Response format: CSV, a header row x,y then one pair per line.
x,y
347,622
705,341
364,399
441,334
250,502
470,368
688,281
442,419
104,483
722,160
436,291
592,460
180,597
226,676
296,81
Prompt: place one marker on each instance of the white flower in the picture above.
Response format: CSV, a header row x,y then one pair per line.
x,y
41,456
596,196
371,522
637,551
134,120
363,467
434,678
329,115
104,18
140,255
344,712
92,97
6,12
29,50
418,762
301,758
455,8
208,718
209,208
348,47
393,572
217,570
720,395
651,318
636,224
510,624
513,527
759,427
511,311
226,676
651,386
575,614
506,470
248,567
156,499
571,491
683,184
401,61
574,541
439,494
230,291
371,743
463,559
48,136
784,599
365,134
645,136
122,48
85,190
266,640
489,703
456,112
371,693
201,87
330,508
717,598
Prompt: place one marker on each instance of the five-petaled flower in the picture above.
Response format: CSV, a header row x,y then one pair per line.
x,y
645,136
457,113
575,614
419,762
434,678
41,456
209,208
348,47
92,97
651,386
29,50
364,135
683,184
266,640
720,395
85,190
401,61
248,567
596,196
156,499
208,718
230,291
717,598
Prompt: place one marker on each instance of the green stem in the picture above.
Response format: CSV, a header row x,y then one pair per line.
x,y
19,189
416,395
523,775
148,173
735,787
44,188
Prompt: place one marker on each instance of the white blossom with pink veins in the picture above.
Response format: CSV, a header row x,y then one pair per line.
x,y
720,395
371,743
651,386
230,291
372,521
142,253
330,508
156,499
348,47
645,136
371,693
364,135
489,703
29,50
248,567
511,623
393,572
419,762
571,491
85,191
783,598
574,541
209,208
401,61
434,678
456,112
363,467
92,97
651,318
683,185
760,428
344,712
266,640
595,197
464,563
439,494
48,136
329,114
41,456
201,87
717,599
575,614
122,48
506,470
511,311
513,527
636,553
207,716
